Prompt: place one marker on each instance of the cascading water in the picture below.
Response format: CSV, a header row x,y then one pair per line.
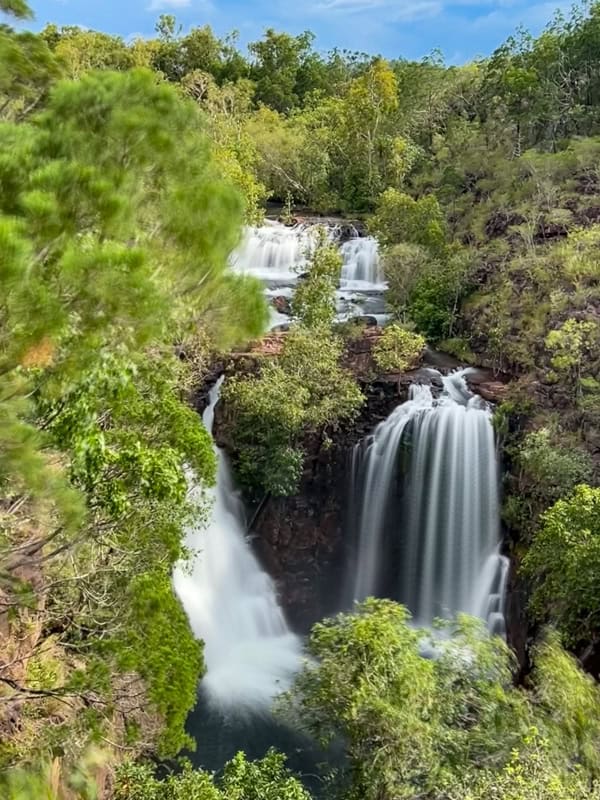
x,y
361,264
277,253
250,653
274,252
428,514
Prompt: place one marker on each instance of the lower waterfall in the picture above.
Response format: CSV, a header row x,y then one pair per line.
x,y
250,653
425,488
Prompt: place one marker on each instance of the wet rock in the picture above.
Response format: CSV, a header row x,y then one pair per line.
x,y
493,387
492,391
300,540
289,222
347,231
282,304
367,320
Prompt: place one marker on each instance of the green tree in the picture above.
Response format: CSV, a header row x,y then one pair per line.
x,y
549,467
563,563
16,8
314,301
116,227
371,686
168,58
569,345
266,779
227,109
398,349
27,67
368,105
511,78
304,391
80,51
428,276
201,50
403,265
278,58
293,157
452,725
400,218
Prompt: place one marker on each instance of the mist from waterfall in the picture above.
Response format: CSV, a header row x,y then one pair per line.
x,y
426,494
250,653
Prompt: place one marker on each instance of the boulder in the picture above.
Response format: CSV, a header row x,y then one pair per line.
x,y
282,304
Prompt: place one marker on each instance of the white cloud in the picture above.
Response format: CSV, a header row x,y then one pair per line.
x,y
164,5
408,10
404,10
415,10
510,16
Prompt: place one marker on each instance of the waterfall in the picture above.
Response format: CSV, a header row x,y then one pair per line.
x,y
361,267
276,253
428,513
250,653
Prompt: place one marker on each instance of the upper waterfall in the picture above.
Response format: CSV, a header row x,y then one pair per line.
x,y
250,653
276,253
426,486
361,266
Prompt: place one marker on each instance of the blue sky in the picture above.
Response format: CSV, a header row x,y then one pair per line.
x,y
462,29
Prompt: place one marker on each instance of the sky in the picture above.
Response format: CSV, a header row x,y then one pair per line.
x,y
461,29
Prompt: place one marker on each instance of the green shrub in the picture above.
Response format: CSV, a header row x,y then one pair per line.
x,y
454,726
304,391
549,468
564,564
398,349
266,779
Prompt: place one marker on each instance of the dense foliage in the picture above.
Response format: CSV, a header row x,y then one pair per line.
x,y
452,726
398,349
564,560
267,779
116,222
303,391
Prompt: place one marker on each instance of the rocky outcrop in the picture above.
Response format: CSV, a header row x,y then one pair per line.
x,y
518,624
493,388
